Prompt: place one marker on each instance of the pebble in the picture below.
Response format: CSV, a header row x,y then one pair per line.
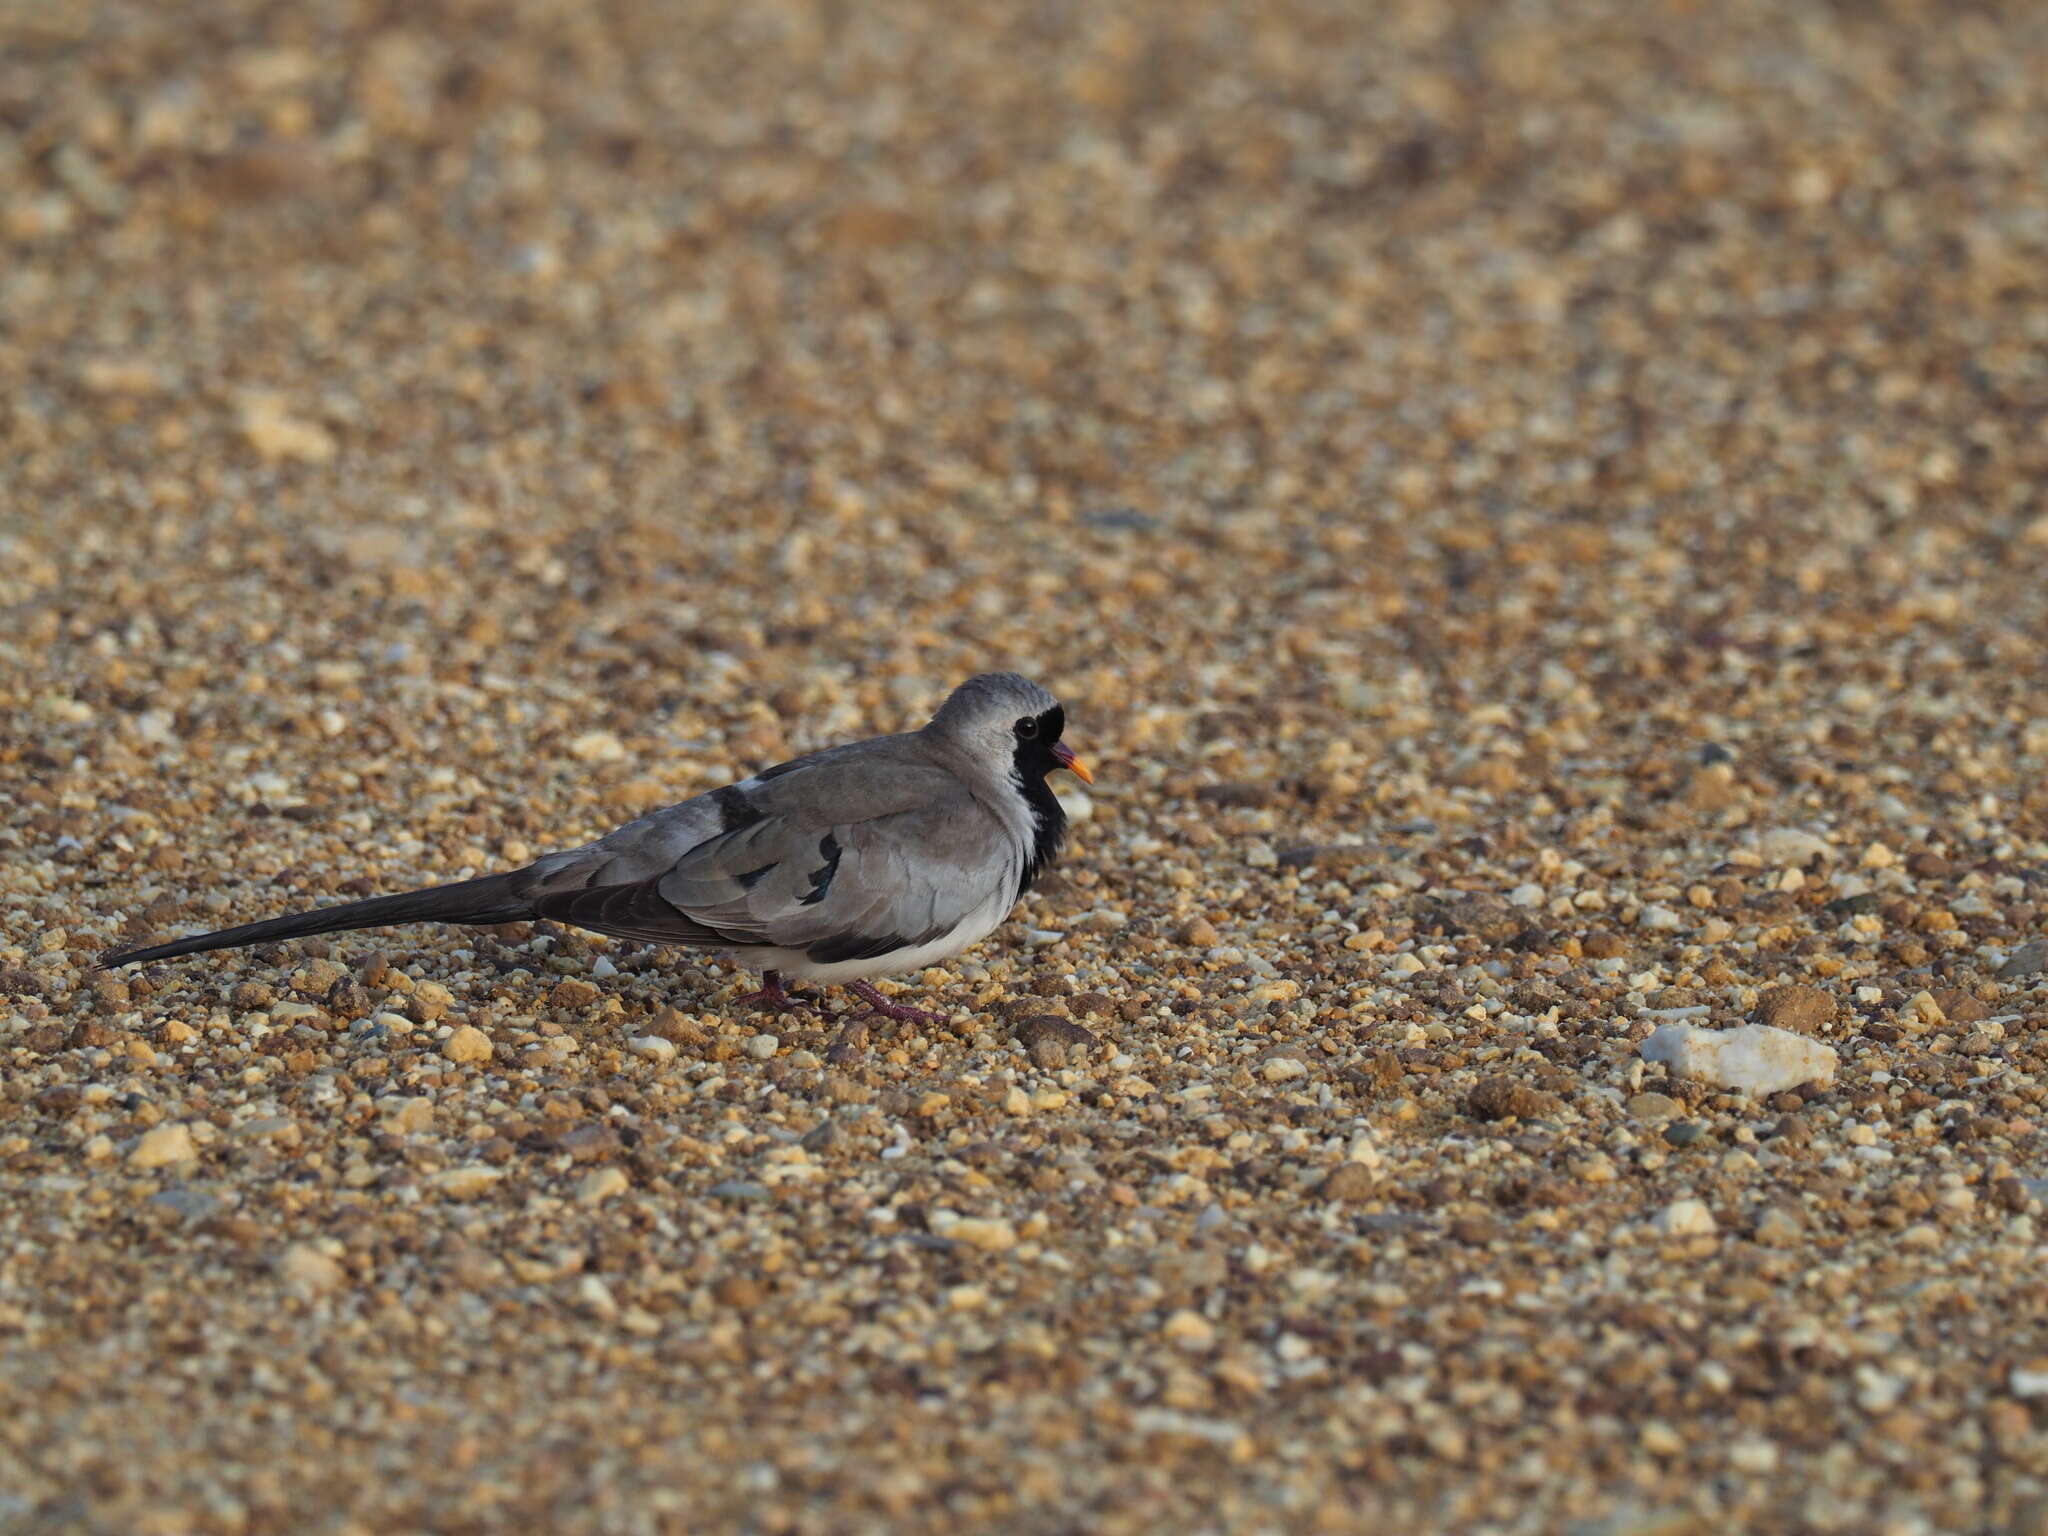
x,y
601,1184
1652,1107
1348,1181
276,434
1778,1227
406,1116
573,992
595,1297
1803,1010
2029,960
1282,1069
762,1047
1189,1330
467,1181
429,1002
1686,1218
1753,1457
1503,1098
739,1189
597,747
467,1044
190,1204
308,1270
989,1234
1755,1059
2029,1380
1594,1168
163,1145
653,1047
1791,847
1053,1042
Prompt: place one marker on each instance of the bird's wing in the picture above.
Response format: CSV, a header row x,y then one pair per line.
x,y
844,856
853,890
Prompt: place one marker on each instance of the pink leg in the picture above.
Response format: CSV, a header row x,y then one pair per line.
x,y
771,996
881,1007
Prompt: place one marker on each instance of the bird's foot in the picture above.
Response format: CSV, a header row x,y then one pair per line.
x,y
881,1008
770,996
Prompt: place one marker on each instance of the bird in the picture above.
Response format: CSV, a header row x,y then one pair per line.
x,y
873,858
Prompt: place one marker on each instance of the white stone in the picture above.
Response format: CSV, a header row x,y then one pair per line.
x,y
2028,1381
1756,1059
761,1047
1758,1458
1657,919
653,1047
1686,1218
1526,896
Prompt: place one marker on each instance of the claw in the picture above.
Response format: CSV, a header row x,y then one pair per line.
x,y
770,996
882,1008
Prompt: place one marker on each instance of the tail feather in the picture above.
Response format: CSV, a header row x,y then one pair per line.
x,y
487,899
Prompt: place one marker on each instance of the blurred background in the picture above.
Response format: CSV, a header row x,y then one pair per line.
x,y
642,354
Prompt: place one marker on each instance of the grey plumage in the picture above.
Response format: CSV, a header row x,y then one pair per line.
x,y
880,855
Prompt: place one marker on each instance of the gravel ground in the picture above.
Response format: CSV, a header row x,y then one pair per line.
x,y
1536,513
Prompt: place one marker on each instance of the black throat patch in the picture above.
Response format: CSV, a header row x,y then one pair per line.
x,y
1034,760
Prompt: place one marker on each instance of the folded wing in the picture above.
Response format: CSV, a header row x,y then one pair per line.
x,y
852,865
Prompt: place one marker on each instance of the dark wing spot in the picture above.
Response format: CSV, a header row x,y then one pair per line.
x,y
734,809
753,877
821,877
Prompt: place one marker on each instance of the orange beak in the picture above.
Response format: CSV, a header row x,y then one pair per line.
x,y
1064,756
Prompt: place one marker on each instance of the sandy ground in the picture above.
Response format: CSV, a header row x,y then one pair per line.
x,y
1536,513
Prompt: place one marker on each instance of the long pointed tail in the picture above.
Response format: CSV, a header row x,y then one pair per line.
x,y
487,899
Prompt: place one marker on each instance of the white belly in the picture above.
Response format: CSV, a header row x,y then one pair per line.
x,y
975,927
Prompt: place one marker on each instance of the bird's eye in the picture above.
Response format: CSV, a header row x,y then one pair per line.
x,y
1027,728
